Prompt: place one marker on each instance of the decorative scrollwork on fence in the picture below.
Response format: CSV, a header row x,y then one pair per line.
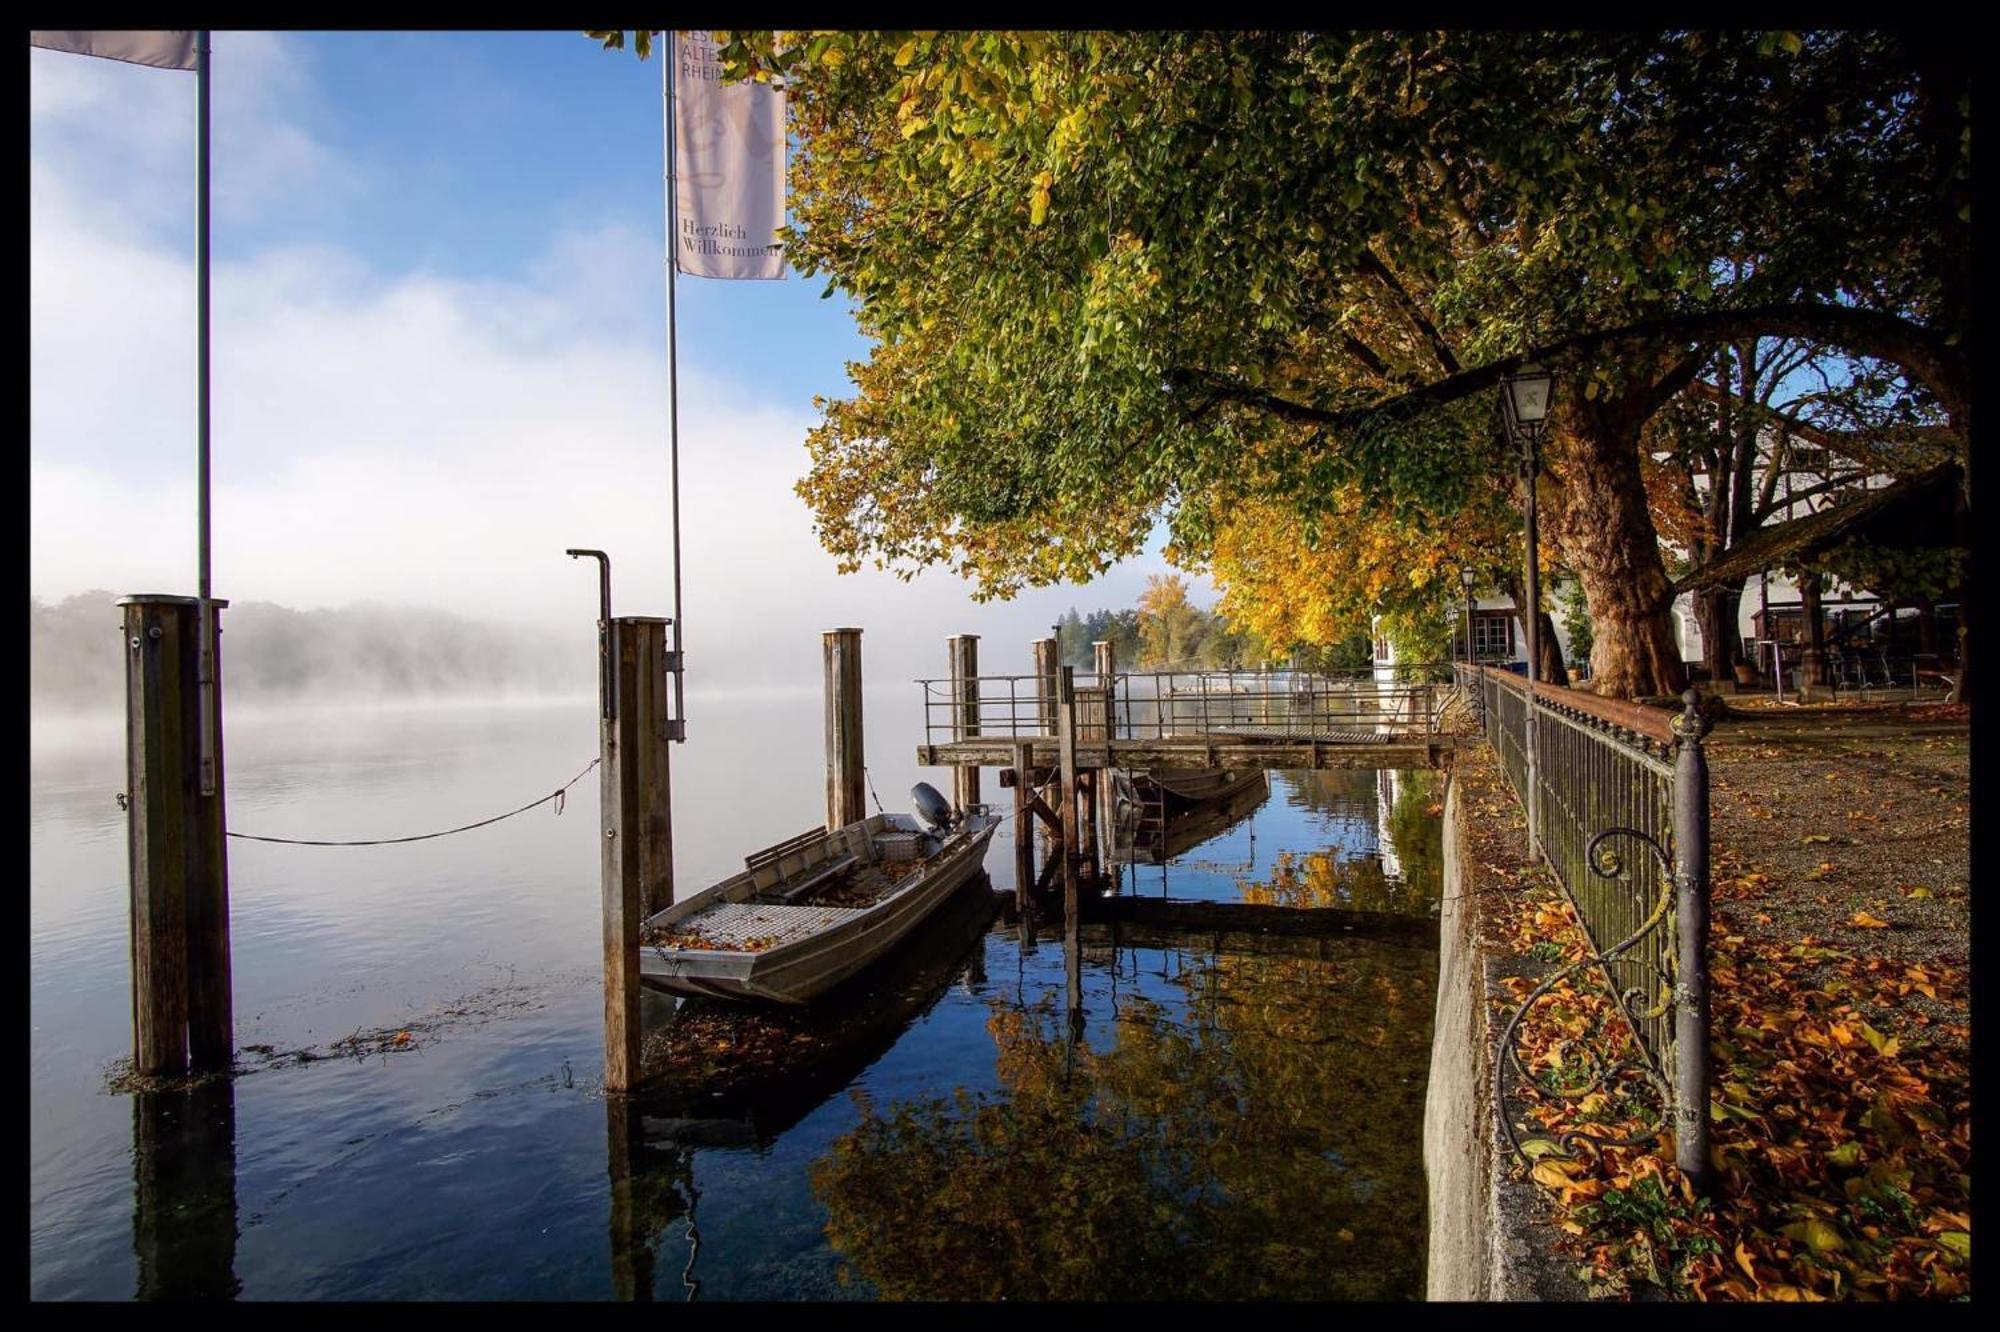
x,y
1606,863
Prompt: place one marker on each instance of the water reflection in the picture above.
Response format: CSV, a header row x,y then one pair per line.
x,y
1210,1149
184,1225
1140,841
1240,1129
733,1075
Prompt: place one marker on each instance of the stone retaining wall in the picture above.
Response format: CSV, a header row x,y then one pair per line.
x,y
1491,1236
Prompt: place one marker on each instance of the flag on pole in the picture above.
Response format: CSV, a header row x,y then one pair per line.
x,y
161,50
729,167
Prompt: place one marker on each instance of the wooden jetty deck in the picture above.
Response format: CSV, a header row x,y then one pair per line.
x,y
1429,749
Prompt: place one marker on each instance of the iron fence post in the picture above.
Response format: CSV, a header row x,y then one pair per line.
x,y
1691,1062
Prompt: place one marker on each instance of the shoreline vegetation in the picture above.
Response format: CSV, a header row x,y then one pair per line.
x,y
1167,631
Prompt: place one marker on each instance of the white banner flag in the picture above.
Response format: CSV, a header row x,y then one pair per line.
x,y
729,167
162,50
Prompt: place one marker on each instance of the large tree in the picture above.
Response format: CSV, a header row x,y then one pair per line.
x,y
1115,278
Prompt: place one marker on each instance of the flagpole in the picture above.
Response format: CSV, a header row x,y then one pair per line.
x,y
205,658
673,377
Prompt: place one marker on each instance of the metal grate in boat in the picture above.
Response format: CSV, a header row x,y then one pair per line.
x,y
896,846
740,922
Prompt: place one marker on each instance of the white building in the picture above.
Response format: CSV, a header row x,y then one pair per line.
x,y
1771,608
1497,636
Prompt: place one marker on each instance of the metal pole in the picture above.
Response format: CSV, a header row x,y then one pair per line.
x,y
677,729
205,637
1691,1055
1533,624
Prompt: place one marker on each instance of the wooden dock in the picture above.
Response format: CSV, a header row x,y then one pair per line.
x,y
1240,750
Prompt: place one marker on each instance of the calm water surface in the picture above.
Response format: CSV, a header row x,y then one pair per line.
x,y
1244,1124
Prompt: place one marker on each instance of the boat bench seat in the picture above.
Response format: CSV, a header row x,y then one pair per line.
x,y
792,892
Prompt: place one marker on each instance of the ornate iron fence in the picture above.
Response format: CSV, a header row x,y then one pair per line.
x,y
1617,800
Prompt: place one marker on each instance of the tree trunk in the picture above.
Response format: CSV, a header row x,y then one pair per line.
x,y
1601,522
1708,615
1550,670
1730,614
1812,669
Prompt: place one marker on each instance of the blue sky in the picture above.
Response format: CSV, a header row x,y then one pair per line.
x,y
497,140
439,352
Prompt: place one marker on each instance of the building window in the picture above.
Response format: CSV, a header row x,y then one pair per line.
x,y
1382,649
1493,637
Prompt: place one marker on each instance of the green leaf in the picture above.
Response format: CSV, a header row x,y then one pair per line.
x,y
1816,1234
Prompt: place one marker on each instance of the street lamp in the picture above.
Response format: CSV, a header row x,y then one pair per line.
x,y
1524,397
1466,576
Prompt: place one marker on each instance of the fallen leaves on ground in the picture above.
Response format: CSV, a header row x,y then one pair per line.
x,y
1840,1114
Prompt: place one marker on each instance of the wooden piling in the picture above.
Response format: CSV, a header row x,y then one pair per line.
x,y
631,774
652,692
182,1012
1045,675
1024,822
184,1212
1024,840
845,761
1104,657
964,653
631,1254
1066,751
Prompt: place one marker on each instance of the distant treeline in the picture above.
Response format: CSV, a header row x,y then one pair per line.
x,y
271,651
1166,631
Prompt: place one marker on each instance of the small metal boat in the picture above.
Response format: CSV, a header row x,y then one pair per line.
x,y
810,912
1180,791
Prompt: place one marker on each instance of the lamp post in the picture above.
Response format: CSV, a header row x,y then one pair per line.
x,y
1524,397
1466,576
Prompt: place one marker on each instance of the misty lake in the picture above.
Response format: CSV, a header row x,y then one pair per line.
x,y
1230,1125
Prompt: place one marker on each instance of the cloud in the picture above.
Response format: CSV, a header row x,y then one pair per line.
x,y
424,439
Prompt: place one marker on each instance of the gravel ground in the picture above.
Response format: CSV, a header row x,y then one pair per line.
x,y
1825,820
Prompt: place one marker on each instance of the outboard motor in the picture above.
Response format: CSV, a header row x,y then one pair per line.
x,y
932,807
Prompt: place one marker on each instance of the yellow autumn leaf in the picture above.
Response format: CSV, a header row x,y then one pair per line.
x,y
1868,922
1743,1261
1816,1234
1886,1046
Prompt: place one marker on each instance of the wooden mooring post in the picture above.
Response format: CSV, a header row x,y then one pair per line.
x,y
1045,675
964,653
1104,656
1024,837
184,1212
1066,751
846,762
637,864
182,1015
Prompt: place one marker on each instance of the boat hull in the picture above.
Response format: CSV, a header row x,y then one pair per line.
x,y
799,971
